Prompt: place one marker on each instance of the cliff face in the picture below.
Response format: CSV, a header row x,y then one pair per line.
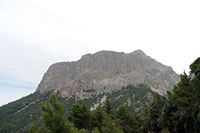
x,y
107,71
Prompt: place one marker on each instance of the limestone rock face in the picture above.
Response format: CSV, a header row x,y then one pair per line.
x,y
107,71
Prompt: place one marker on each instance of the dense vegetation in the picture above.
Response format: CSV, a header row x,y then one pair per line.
x,y
82,120
179,112
14,116
17,116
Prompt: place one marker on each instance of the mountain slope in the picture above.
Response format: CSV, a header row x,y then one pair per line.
x,y
93,79
107,71
17,116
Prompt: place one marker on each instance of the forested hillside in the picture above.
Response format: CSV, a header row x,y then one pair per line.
x,y
178,113
18,116
132,109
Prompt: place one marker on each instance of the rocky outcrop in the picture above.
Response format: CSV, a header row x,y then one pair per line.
x,y
107,71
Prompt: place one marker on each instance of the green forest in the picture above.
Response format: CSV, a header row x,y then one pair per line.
x,y
17,116
179,112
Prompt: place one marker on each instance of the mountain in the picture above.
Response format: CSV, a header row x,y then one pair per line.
x,y
105,72
132,79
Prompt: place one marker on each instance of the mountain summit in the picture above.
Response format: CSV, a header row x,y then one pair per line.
x,y
105,72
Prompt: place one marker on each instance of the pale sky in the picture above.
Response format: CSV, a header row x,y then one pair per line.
x,y
37,33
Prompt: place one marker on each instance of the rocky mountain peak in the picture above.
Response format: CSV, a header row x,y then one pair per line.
x,y
107,71
139,52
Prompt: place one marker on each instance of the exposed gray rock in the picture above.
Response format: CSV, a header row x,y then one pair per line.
x,y
107,71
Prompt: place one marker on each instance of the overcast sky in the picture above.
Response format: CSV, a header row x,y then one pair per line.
x,y
36,33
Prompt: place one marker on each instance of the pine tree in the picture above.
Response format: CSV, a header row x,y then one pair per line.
x,y
154,112
52,114
80,116
126,120
108,107
97,118
182,109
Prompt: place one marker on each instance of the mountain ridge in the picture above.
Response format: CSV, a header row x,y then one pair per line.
x,y
107,71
